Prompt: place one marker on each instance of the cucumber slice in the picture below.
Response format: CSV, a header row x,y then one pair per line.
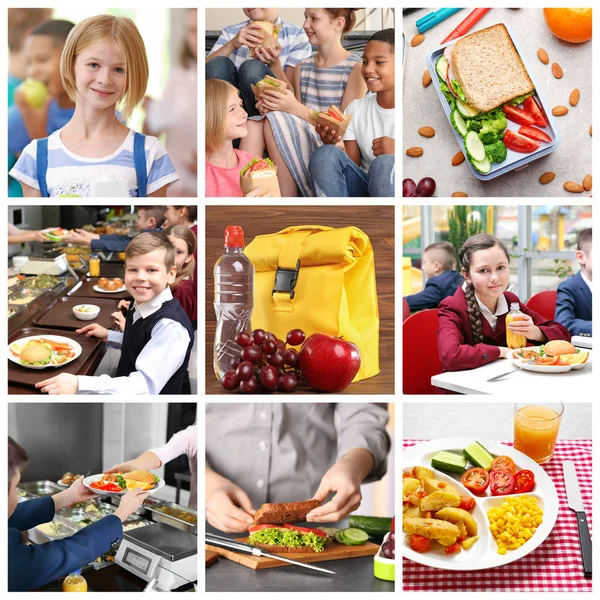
x,y
478,456
338,536
374,526
441,67
483,166
474,146
466,110
351,536
458,123
448,461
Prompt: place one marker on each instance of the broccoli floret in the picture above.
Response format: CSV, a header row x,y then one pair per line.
x,y
499,122
496,152
487,134
473,125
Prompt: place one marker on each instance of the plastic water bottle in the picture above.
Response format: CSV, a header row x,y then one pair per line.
x,y
234,299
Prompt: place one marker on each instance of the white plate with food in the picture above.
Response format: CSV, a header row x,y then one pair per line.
x,y
40,352
112,285
557,356
114,484
55,234
483,552
68,479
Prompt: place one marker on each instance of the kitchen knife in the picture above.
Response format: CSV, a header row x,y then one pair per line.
x,y
218,540
575,503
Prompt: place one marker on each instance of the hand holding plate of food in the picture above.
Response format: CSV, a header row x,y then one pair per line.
x,y
556,356
39,352
110,285
56,234
112,484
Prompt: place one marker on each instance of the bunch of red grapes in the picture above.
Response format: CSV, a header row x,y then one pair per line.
x,y
265,363
388,549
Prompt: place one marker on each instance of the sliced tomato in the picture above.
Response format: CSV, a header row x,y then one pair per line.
x,y
334,115
419,543
518,115
503,463
524,482
519,143
318,532
467,503
501,483
547,360
534,133
263,526
476,480
112,487
454,549
532,107
260,165
97,485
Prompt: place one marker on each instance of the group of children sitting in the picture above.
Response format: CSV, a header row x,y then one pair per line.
x,y
311,158
157,334
473,304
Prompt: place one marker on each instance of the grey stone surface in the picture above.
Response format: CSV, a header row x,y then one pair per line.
x,y
421,106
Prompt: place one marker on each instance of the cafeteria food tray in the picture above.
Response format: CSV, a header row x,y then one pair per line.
x,y
60,315
40,488
175,515
86,290
22,376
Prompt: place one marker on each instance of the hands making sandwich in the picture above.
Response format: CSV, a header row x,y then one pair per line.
x,y
229,508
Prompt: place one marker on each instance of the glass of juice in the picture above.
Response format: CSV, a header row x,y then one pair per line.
x,y
536,429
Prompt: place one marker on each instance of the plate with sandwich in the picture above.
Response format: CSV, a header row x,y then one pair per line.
x,y
113,484
333,117
56,234
492,102
271,33
268,83
260,173
556,356
40,352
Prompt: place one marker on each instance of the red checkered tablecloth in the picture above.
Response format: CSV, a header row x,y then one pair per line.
x,y
555,566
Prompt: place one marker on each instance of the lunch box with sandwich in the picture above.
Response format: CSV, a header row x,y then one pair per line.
x,y
514,160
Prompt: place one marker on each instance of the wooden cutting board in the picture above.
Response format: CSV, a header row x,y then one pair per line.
x,y
333,551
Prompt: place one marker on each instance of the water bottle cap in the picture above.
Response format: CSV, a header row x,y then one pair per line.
x,y
234,237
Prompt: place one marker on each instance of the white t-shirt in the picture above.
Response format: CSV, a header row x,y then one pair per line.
x,y
369,122
69,174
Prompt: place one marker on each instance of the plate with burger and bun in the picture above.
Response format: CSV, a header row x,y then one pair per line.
x,y
40,352
112,484
556,356
260,173
333,118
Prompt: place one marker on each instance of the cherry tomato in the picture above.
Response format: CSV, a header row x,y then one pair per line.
x,y
503,463
467,503
532,107
518,115
419,543
519,143
263,526
534,133
524,482
318,532
476,480
501,483
454,549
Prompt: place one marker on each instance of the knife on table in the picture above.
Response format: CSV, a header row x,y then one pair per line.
x,y
219,540
575,503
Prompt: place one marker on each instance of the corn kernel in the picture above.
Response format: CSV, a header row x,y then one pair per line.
x,y
514,522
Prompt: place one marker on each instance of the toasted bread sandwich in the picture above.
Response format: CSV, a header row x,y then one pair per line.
x,y
333,118
284,512
271,32
139,480
488,69
287,538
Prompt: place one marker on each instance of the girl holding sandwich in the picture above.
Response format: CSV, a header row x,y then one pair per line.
x,y
472,323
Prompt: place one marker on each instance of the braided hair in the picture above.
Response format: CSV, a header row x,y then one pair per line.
x,y
481,241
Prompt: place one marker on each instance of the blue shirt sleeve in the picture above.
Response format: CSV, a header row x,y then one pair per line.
x,y
31,513
430,297
18,137
110,243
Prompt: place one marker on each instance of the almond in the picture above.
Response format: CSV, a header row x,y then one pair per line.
x,y
590,130
560,111
415,151
543,56
547,177
427,132
573,187
459,195
587,183
557,71
458,158
426,78
418,39
574,97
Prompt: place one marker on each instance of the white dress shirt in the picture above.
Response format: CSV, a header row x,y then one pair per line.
x,y
491,318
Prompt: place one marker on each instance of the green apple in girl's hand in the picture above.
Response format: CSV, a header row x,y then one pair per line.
x,y
35,92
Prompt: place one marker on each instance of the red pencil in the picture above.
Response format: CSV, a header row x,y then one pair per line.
x,y
467,24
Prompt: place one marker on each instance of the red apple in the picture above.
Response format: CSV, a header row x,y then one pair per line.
x,y
328,363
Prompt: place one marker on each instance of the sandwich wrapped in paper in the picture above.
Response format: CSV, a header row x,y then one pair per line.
x,y
268,83
334,118
260,173
271,32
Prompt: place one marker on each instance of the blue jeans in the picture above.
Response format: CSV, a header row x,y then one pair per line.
x,y
251,71
334,174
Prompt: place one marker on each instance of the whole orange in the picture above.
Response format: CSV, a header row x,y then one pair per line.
x,y
570,24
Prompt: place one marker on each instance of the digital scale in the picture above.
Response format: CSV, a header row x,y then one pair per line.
x,y
162,555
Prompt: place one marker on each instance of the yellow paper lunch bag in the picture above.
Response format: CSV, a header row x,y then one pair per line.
x,y
318,279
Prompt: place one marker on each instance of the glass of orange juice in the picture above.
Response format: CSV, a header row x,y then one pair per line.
x,y
536,429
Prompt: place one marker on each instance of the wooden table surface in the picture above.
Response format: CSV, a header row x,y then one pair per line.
x,y
376,221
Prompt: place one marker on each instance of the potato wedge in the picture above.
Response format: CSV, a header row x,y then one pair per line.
x,y
408,510
439,500
447,541
454,515
433,529
410,485
422,473
433,485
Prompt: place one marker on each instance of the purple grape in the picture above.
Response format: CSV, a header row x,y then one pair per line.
x,y
271,336
291,357
243,339
245,370
250,386
409,188
276,360
230,381
268,378
259,336
236,361
269,347
287,384
392,538
252,353
280,345
295,337
426,187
